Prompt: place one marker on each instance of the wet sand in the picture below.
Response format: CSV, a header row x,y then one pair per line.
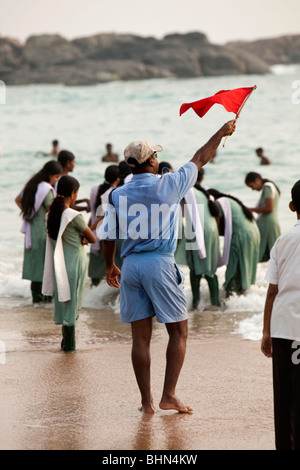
x,y
89,399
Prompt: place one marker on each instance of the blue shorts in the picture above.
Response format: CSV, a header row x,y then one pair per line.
x,y
152,284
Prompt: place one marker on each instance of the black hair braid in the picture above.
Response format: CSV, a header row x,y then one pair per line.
x,y
54,216
213,208
66,185
112,172
216,194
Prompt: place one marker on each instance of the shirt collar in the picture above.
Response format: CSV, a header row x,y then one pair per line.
x,y
142,176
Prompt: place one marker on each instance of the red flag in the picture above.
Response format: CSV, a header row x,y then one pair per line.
x,y
232,100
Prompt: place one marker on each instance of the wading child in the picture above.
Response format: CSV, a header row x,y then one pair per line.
x,y
281,331
66,259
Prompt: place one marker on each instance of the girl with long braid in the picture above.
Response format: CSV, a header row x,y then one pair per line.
x,y
241,242
267,212
34,202
66,259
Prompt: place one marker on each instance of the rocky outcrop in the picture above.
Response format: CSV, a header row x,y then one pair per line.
x,y
106,57
281,50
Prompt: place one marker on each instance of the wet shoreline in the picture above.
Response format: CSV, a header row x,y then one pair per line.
x,y
89,400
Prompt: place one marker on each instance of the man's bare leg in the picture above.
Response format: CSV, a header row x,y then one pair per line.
x,y
175,358
141,361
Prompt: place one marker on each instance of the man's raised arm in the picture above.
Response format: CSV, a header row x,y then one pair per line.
x,y
205,153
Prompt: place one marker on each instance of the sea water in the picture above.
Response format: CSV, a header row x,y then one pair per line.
x,y
84,119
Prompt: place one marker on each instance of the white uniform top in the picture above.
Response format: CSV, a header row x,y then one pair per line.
x,y
284,271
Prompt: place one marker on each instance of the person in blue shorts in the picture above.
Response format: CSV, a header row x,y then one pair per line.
x,y
144,213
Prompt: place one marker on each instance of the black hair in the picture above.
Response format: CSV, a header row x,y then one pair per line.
x,y
64,157
296,196
200,174
66,186
212,206
163,165
138,167
112,172
28,197
252,176
217,194
125,170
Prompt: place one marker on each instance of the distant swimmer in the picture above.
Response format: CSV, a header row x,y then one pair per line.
x,y
263,159
110,156
53,152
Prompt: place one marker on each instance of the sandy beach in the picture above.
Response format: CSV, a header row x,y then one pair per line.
x,y
89,400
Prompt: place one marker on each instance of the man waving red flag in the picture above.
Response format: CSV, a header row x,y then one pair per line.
x,y
232,100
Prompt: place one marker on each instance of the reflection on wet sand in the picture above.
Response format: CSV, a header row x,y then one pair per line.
x,y
170,430
89,399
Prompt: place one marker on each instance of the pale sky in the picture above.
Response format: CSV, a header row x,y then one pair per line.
x,y
220,20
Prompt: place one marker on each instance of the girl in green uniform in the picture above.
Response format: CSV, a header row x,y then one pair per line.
x,y
243,244
267,210
34,202
66,258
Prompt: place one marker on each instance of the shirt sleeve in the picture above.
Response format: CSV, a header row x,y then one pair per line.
x,y
185,178
272,272
48,199
79,223
267,192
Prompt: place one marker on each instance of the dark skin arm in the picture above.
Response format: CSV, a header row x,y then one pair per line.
x,y
112,271
266,209
79,208
266,343
205,153
88,237
18,201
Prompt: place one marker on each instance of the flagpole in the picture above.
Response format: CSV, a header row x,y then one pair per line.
x,y
239,111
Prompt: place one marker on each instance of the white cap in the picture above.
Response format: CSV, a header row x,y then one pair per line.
x,y
140,151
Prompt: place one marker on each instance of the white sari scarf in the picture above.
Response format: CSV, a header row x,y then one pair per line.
x,y
192,208
226,208
55,262
41,192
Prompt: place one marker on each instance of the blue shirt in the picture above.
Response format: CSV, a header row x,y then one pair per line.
x,y
144,211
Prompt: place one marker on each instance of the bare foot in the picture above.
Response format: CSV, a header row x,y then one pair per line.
x,y
150,410
174,404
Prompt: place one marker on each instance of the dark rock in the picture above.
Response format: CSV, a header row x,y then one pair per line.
x,y
281,50
106,57
49,49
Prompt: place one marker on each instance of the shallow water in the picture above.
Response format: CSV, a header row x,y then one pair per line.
x,y
84,119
